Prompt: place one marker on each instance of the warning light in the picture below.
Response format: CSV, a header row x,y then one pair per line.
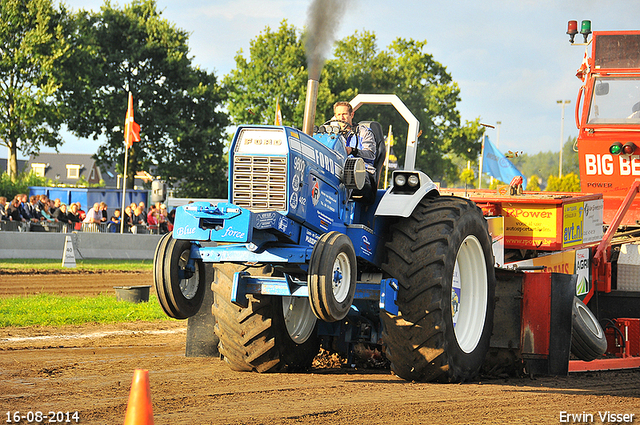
x,y
616,148
628,148
572,30
585,29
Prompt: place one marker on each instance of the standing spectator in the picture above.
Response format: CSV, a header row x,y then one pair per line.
x,y
62,217
139,217
103,211
24,200
114,222
81,212
3,211
171,217
74,217
44,214
128,217
142,208
33,210
42,200
163,221
14,213
152,219
56,204
60,214
94,215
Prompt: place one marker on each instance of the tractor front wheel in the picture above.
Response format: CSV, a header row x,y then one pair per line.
x,y
179,282
332,276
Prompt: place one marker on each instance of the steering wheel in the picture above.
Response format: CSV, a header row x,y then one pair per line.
x,y
349,125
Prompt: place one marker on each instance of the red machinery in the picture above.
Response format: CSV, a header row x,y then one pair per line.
x,y
608,118
549,233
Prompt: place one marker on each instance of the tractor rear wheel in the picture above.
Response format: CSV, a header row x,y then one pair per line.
x,y
441,256
270,335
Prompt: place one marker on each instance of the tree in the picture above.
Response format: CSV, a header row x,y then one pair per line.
x,y
546,163
276,70
422,83
533,184
570,159
176,104
568,183
33,37
467,176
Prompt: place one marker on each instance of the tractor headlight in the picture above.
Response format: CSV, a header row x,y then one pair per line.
x,y
406,182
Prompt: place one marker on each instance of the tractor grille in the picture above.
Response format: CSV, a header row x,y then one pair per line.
x,y
260,182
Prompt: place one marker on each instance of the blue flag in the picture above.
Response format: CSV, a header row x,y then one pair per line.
x,y
495,164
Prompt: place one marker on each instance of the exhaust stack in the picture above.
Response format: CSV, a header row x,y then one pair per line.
x,y
310,106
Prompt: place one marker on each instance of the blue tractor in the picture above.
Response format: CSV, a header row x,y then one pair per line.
x,y
298,263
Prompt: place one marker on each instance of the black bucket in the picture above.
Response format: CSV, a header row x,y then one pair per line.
x,y
133,294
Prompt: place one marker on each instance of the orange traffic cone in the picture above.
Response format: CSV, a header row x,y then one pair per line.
x,y
139,409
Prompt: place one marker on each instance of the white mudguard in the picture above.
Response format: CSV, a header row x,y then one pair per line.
x,y
402,204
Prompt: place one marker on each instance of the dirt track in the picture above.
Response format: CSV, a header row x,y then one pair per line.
x,y
89,369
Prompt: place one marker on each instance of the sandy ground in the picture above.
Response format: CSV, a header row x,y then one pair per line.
x,y
89,368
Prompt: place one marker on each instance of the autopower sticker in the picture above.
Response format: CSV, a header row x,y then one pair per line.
x,y
366,246
455,294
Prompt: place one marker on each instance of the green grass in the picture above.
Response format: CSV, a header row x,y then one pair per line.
x,y
97,264
56,310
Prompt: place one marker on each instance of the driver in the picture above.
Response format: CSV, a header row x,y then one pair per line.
x,y
360,143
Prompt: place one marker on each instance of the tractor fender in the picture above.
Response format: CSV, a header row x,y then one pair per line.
x,y
396,203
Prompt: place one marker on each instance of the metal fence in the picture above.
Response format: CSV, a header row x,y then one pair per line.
x,y
57,227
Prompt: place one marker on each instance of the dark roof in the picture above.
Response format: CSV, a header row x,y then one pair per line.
x,y
3,165
61,167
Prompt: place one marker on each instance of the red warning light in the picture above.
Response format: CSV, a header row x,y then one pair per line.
x,y
628,148
572,30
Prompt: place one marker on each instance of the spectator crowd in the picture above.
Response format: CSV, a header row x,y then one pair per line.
x,y
38,212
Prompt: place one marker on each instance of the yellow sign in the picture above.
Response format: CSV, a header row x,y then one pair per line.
x,y
559,262
573,216
530,221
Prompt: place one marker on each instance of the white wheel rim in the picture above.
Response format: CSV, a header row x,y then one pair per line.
x,y
298,318
589,320
469,294
188,287
341,277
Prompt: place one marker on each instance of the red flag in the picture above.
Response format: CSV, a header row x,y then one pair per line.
x,y
278,120
131,129
584,67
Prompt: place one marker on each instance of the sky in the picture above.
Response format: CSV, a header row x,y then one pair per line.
x,y
511,58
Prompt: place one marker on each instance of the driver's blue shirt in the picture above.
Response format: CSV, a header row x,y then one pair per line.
x,y
365,143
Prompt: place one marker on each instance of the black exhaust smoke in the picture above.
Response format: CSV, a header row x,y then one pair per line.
x,y
324,16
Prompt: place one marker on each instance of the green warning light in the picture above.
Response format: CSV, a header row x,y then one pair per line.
x,y
616,148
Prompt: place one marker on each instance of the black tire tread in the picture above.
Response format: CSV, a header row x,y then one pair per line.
x,y
252,338
166,279
585,345
418,255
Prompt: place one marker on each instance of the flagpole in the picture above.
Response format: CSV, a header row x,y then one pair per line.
x,y
124,186
386,160
124,174
481,157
